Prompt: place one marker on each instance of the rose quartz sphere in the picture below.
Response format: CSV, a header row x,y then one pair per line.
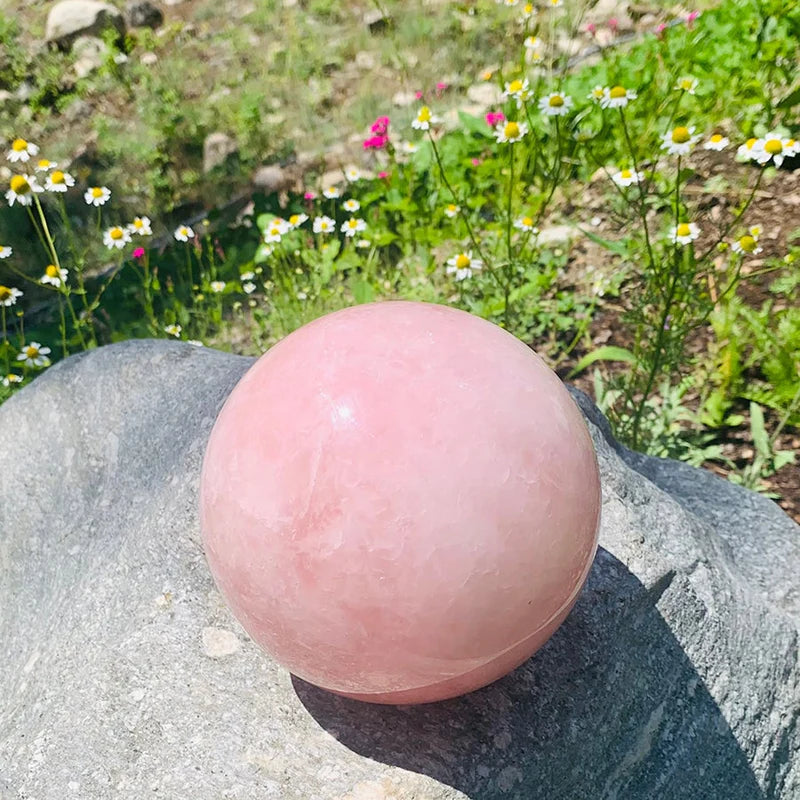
x,y
400,502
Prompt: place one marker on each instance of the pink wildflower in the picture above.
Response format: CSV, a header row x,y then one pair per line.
x,y
476,162
494,118
310,196
418,95
692,16
440,88
138,252
613,24
381,126
659,31
591,28
383,175
376,142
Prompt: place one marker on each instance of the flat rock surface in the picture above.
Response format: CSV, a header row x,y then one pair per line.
x,y
124,674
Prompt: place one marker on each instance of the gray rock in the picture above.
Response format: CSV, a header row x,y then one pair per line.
x,y
90,53
272,179
70,19
124,675
217,148
144,14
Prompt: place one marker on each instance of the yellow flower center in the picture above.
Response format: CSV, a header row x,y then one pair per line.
x,y
515,86
684,230
773,146
52,271
19,184
116,234
512,130
528,8
626,173
96,191
351,223
597,92
686,84
748,243
749,143
716,138
452,208
5,293
618,91
325,226
527,222
137,223
44,164
294,219
681,135
424,114
463,261
19,145
556,101
31,351
57,177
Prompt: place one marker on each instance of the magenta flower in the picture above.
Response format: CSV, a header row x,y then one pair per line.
x,y
476,162
310,196
376,142
494,118
591,28
659,31
138,252
381,126
383,175
613,24
418,95
692,16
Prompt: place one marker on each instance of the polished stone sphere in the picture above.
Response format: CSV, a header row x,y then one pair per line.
x,y
400,502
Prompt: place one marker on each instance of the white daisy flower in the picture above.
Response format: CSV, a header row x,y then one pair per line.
x,y
296,220
9,295
747,245
352,174
353,226
452,210
528,11
532,42
684,233
5,251
45,165
409,147
424,119
747,151
555,105
54,276
627,177
518,89
597,94
716,142
351,206
140,226
247,276
173,330
58,181
324,225
249,287
276,229
21,190
34,355
97,195
509,3
217,286
617,97
363,244
116,237
525,224
554,3
21,150
511,132
679,141
772,147
11,378
332,192
755,230
687,84
462,265
183,233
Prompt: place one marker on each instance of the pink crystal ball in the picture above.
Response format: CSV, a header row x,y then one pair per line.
x,y
400,502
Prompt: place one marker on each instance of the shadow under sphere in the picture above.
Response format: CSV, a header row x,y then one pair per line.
x,y
611,708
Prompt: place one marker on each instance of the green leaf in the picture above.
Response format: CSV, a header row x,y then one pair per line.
x,y
475,125
620,248
791,99
782,458
363,291
608,352
760,438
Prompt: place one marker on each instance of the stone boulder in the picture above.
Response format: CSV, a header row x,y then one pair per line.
x,y
144,14
124,674
218,147
69,19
